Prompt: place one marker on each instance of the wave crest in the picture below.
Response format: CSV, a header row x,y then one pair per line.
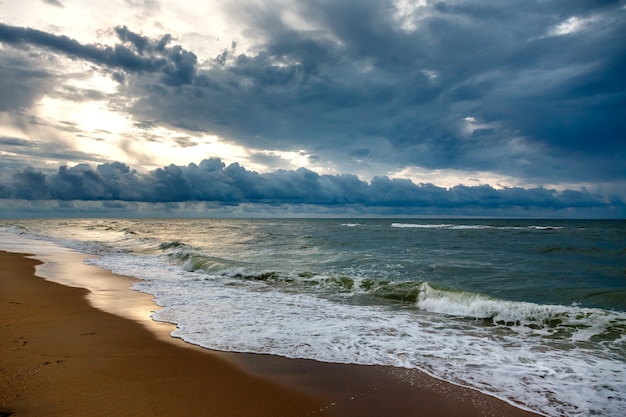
x,y
562,322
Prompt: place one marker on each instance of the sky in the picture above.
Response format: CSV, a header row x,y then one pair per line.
x,y
512,108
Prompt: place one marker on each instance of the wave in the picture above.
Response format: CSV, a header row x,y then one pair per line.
x,y
555,321
170,245
87,247
572,249
324,305
515,350
400,291
422,226
451,226
16,229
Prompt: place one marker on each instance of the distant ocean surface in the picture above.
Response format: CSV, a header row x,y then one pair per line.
x,y
530,311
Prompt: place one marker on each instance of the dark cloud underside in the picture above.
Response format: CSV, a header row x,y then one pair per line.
x,y
213,181
548,107
533,90
136,53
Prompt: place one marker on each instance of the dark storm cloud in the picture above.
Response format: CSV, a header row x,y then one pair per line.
x,y
30,185
212,181
10,141
56,3
477,85
136,53
22,82
548,106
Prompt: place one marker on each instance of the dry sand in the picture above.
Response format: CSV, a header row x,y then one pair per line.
x,y
60,356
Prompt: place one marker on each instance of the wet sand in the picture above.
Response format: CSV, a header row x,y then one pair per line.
x,y
61,356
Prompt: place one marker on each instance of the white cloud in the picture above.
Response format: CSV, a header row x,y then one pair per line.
x,y
571,25
448,178
409,13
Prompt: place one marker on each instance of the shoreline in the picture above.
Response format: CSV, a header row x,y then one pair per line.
x,y
63,356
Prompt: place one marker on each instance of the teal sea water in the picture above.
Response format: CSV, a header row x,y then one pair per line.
x,y
530,311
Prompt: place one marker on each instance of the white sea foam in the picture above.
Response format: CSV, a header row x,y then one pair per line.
x,y
464,304
451,226
525,360
247,316
444,226
422,226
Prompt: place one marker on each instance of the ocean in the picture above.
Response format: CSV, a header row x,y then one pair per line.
x,y
530,311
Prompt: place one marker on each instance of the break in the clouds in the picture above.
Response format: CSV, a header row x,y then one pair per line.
x,y
473,102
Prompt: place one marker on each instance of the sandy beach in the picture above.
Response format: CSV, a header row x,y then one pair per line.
x,y
60,356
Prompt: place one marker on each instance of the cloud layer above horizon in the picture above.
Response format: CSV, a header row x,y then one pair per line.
x,y
381,102
213,181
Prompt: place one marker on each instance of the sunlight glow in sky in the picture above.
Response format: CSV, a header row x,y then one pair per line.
x,y
483,95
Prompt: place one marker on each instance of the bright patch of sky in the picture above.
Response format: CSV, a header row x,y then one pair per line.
x,y
571,25
471,92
